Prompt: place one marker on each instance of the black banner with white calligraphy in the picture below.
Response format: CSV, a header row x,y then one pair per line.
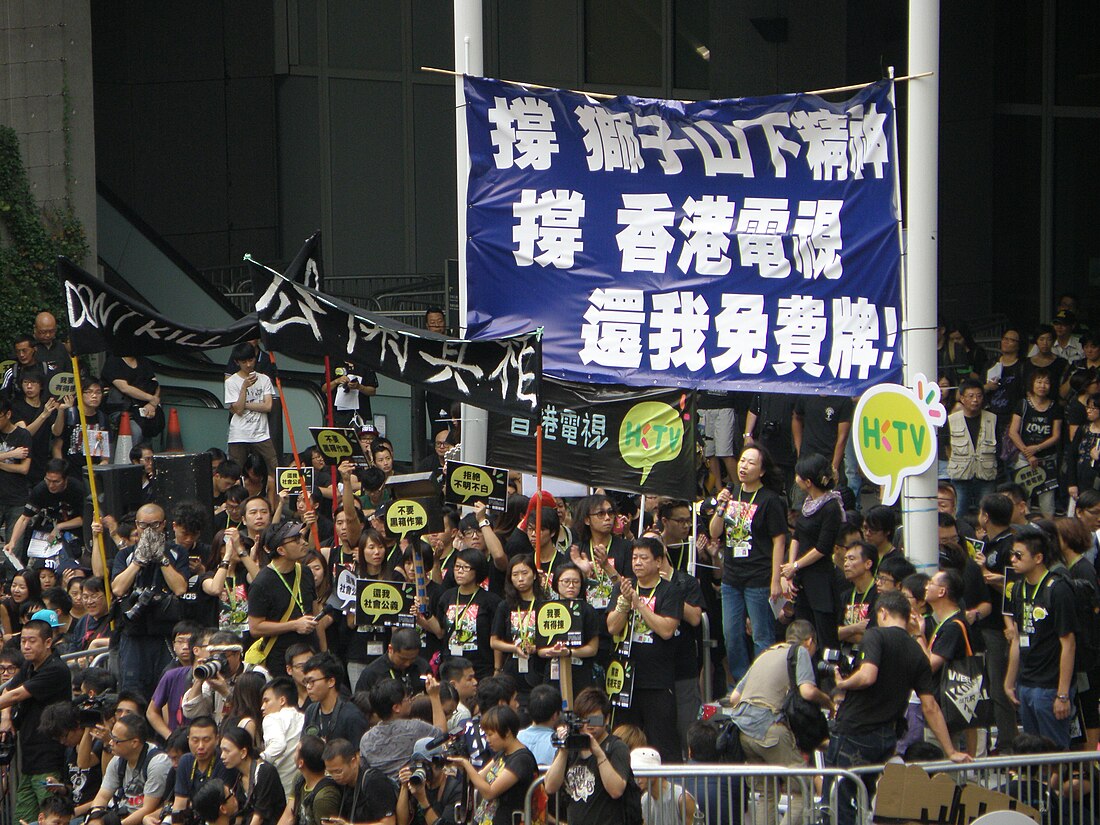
x,y
307,267
102,319
632,440
501,374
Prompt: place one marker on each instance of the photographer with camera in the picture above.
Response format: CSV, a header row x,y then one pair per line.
x,y
219,662
136,779
387,745
429,791
71,724
43,680
757,702
596,775
872,714
147,578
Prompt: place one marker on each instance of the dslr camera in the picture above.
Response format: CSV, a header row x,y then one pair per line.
x,y
419,771
95,710
139,601
830,658
575,738
218,663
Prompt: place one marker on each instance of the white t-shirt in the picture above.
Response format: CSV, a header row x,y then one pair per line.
x,y
250,426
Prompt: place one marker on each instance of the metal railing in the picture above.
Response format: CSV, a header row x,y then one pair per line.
x,y
721,794
1063,787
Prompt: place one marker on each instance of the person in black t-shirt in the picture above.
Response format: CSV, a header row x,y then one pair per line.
x,y
15,463
34,410
43,680
598,782
402,661
646,617
820,424
368,795
271,594
55,507
876,697
1039,678
502,784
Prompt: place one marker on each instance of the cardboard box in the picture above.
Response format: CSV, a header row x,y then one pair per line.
x,y
906,795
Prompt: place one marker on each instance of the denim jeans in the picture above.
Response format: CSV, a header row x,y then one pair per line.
x,y
848,750
970,494
735,601
1037,714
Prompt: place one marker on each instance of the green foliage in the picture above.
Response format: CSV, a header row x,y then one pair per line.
x,y
30,241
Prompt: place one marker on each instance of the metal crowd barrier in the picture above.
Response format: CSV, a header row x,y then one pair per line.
x,y
723,794
1063,787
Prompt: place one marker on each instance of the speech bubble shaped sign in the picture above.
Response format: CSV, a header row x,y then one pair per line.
x,y
553,620
468,482
406,516
62,384
651,432
895,432
289,479
616,678
334,445
345,586
379,599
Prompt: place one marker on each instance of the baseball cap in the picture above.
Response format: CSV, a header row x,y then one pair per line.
x,y
367,428
423,750
645,758
1064,316
47,616
279,534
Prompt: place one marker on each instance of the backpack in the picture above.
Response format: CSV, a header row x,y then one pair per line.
x,y
804,718
1086,614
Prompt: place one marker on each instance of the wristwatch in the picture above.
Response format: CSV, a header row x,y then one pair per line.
x,y
1064,697
484,523
224,565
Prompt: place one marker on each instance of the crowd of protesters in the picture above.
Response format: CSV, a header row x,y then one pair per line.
x,y
232,679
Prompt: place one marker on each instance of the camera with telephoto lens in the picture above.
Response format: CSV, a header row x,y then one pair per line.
x,y
833,658
95,710
212,667
140,599
575,738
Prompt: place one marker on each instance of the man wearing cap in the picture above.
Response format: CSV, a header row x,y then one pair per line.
x,y
281,597
434,795
1066,344
662,801
354,387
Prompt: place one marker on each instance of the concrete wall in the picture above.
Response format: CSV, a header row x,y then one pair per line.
x,y
46,62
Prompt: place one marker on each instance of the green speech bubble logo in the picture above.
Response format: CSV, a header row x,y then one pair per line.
x,y
62,384
616,678
651,432
406,516
895,432
553,620
289,479
380,599
333,444
469,481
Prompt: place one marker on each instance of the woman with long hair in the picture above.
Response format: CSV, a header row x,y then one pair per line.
x,y
1036,431
24,589
1084,452
242,708
808,573
362,644
513,636
259,791
751,524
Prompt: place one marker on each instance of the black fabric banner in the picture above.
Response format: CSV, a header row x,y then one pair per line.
x,y
501,374
102,319
625,439
307,267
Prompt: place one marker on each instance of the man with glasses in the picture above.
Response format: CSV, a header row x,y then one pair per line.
x,y
136,779
297,655
147,578
42,680
328,715
1040,674
67,427
93,629
215,803
597,779
442,442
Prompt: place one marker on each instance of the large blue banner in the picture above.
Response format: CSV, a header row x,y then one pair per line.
x,y
734,244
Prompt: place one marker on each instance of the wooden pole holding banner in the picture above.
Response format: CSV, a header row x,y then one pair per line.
x,y
331,417
538,494
297,460
97,537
